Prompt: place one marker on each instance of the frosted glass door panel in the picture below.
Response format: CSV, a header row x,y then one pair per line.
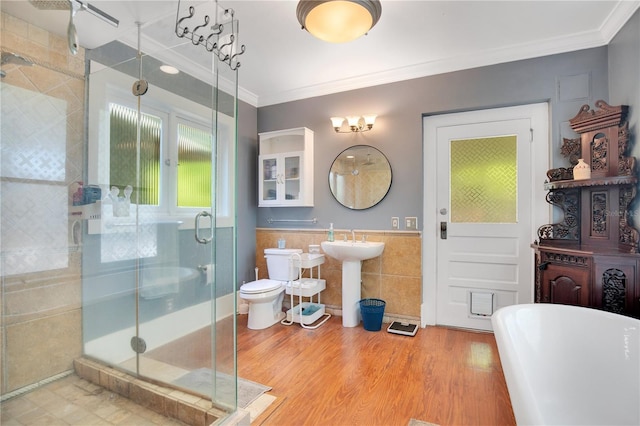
x,y
484,180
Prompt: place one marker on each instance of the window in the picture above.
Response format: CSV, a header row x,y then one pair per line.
x,y
177,148
194,171
194,144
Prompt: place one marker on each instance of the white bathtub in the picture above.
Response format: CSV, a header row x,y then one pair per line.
x,y
569,365
160,281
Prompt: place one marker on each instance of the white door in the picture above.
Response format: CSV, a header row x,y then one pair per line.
x,y
484,203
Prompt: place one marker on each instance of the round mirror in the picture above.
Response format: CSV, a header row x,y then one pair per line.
x,y
360,177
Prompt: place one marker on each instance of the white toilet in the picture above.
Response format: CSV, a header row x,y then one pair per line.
x,y
265,296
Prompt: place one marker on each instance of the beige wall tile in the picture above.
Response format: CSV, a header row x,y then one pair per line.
x,y
402,256
42,348
402,294
58,44
332,295
49,299
16,26
38,35
373,266
371,286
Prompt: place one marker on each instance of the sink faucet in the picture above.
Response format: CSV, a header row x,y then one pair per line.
x,y
353,235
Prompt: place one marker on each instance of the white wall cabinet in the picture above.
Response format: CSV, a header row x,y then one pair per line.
x,y
285,175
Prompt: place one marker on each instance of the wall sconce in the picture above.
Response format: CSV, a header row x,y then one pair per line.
x,y
356,124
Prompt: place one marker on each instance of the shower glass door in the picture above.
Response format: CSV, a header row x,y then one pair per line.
x,y
159,258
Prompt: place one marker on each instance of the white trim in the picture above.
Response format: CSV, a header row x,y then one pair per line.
x,y
540,160
621,13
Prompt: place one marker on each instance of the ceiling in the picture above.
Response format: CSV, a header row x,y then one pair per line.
x,y
414,38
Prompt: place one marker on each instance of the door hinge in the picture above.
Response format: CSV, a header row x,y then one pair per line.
x,y
530,135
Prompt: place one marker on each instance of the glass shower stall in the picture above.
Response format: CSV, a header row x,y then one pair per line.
x,y
155,212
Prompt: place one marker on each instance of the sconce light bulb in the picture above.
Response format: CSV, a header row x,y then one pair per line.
x,y
353,122
337,123
369,120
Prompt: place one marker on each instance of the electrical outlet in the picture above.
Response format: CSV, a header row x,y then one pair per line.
x,y
395,223
411,223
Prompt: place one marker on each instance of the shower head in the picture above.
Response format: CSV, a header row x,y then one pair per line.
x,y
68,4
72,33
15,59
73,6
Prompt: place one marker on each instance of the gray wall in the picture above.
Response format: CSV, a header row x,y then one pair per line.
x,y
398,130
624,84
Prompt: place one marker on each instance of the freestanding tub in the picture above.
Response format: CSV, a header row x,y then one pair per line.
x,y
569,365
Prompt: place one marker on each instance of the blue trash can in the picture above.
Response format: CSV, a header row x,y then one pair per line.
x,y
372,311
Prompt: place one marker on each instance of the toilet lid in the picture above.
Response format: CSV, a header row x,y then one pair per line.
x,y
260,286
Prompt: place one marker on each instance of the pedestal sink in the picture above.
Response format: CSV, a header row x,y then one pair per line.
x,y
351,254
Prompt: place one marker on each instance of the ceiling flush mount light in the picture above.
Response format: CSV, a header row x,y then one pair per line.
x,y
338,21
356,124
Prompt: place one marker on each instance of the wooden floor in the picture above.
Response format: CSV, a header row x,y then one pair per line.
x,y
350,376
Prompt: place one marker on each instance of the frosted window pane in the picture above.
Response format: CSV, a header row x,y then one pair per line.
x,y
484,180
123,156
194,173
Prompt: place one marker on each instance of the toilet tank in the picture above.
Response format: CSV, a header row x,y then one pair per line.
x,y
278,264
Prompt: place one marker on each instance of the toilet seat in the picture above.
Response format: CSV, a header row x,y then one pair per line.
x,y
260,286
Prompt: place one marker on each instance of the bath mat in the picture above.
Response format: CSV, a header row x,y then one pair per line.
x,y
414,422
200,380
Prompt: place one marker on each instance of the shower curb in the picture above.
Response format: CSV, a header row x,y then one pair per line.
x,y
172,403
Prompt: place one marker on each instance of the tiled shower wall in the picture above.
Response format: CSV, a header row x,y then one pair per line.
x,y
395,276
41,159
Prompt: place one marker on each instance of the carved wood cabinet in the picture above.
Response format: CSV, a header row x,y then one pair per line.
x,y
591,257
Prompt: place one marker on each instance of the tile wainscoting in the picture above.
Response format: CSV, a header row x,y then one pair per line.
x,y
395,276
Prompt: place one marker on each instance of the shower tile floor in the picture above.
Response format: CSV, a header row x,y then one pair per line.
x,y
75,401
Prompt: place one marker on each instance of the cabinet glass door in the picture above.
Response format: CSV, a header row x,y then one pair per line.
x,y
292,175
269,179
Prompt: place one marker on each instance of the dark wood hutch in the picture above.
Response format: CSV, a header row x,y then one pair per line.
x,y
591,257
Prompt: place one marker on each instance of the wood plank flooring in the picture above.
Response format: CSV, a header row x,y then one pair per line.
x,y
349,376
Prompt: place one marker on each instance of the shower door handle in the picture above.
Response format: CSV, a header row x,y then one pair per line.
x,y
199,239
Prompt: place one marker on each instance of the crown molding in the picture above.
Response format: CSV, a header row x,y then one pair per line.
x,y
619,16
